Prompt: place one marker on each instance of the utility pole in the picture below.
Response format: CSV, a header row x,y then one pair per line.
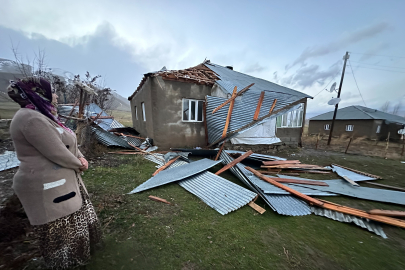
x,y
345,57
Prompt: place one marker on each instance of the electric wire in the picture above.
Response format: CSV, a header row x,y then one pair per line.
x,y
357,84
323,88
377,65
381,69
391,56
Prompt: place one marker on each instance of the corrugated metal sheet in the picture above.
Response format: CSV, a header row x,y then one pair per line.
x,y
8,160
366,224
243,111
176,174
282,204
217,192
352,175
230,78
374,194
109,139
256,156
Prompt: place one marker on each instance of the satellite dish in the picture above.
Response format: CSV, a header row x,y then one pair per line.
x,y
401,131
333,87
334,101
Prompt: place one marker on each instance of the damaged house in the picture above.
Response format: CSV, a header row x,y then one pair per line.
x,y
175,108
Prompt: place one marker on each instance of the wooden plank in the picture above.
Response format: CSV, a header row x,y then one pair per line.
x,y
234,162
228,117
292,191
127,153
73,108
298,181
272,106
132,136
348,145
350,181
388,213
277,162
334,206
232,98
309,171
385,186
157,199
295,166
170,162
256,207
101,117
259,105
359,172
219,152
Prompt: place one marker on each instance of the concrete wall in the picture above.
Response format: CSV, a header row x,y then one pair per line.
x,y
392,129
361,128
145,128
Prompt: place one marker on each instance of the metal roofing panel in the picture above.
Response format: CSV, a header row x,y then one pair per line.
x,y
109,139
8,160
282,204
176,174
256,156
374,194
357,112
229,78
366,224
243,111
352,175
217,192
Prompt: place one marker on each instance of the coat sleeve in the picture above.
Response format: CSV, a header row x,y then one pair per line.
x,y
47,140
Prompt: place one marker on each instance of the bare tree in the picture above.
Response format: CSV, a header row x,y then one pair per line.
x,y
385,107
396,108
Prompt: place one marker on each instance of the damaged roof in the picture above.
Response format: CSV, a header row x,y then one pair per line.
x,y
209,73
357,112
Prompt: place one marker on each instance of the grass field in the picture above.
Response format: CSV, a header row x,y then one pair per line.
x,y
123,117
143,234
8,109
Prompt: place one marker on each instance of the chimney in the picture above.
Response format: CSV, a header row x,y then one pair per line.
x,y
230,67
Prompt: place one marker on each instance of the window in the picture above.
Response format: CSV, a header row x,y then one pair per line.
x,y
349,127
378,129
192,110
326,127
291,119
143,112
136,113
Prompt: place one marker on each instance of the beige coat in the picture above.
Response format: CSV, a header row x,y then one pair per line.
x,y
46,181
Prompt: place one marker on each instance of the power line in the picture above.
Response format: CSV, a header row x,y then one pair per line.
x,y
377,65
391,56
325,86
381,69
356,83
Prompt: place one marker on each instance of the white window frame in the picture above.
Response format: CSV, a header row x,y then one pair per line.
x,y
349,127
378,129
286,118
326,127
195,110
143,111
136,112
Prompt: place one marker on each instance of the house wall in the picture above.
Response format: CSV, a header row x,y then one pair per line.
x,y
145,128
361,128
392,128
168,128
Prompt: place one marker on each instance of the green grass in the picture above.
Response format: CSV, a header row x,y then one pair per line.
x,y
123,117
143,234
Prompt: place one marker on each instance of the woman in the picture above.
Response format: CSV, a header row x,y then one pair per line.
x,y
48,181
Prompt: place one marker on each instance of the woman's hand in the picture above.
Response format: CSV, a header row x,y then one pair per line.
x,y
85,164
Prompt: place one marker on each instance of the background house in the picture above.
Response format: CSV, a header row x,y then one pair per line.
x,y
358,121
174,108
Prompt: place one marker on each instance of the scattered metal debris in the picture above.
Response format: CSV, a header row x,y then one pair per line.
x,y
8,160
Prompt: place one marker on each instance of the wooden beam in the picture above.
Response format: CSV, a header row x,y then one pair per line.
x,y
350,181
228,118
256,207
386,186
170,162
234,162
299,181
232,98
292,191
102,117
272,106
278,162
388,213
219,151
334,206
259,105
157,199
132,136
73,108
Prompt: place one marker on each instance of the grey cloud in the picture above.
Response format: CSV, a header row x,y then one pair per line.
x,y
254,68
374,50
340,44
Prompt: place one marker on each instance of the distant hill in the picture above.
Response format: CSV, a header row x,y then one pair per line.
x,y
120,103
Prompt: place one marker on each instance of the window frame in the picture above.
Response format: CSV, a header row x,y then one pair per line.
x,y
196,107
136,112
378,129
326,127
143,111
349,128
286,118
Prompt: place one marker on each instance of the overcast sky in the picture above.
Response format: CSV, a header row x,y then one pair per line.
x,y
298,44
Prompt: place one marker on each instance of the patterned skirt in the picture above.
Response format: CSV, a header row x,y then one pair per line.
x,y
66,242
